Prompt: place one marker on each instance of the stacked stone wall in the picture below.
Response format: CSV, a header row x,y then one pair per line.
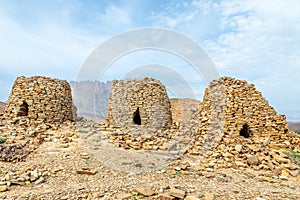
x,y
38,102
144,100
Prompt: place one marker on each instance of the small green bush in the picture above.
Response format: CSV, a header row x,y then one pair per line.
x,y
83,131
2,139
293,155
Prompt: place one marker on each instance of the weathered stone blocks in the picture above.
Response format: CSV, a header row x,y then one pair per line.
x,y
38,102
233,108
139,103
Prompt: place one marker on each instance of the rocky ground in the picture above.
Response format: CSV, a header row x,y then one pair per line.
x,y
83,164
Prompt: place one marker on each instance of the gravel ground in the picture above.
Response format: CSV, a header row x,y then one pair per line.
x,y
83,166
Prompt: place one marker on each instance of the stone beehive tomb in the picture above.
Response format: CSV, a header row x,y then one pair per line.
x,y
234,107
38,100
236,118
139,103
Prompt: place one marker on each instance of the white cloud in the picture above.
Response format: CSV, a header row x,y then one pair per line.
x,y
253,40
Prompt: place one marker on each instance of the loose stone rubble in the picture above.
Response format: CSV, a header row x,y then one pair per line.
x,y
238,128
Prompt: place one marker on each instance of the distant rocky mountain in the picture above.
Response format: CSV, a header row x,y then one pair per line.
x,y
91,98
182,109
2,106
294,126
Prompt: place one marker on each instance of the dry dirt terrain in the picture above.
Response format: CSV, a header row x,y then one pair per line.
x,y
83,164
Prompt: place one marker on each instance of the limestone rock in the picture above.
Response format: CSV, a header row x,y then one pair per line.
x,y
191,198
144,191
166,196
3,188
238,147
253,160
177,193
89,172
123,196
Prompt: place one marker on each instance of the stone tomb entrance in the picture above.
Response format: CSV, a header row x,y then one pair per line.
x,y
137,117
245,131
23,109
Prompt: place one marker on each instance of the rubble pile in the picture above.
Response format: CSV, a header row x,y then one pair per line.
x,y
35,105
238,128
23,177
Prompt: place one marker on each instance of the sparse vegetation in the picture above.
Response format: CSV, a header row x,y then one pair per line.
x,y
87,161
178,173
293,155
297,131
83,131
3,139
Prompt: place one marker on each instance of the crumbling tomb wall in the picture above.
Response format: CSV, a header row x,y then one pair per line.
x,y
235,108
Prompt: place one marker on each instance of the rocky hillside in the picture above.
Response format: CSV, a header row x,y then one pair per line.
x,y
91,98
2,106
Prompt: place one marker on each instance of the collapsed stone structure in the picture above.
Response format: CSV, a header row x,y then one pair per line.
x,y
38,103
139,103
234,107
237,127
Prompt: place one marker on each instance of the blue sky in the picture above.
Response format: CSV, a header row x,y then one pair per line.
x,y
253,40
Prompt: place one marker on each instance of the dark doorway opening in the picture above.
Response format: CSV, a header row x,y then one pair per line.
x,y
137,117
245,131
23,109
